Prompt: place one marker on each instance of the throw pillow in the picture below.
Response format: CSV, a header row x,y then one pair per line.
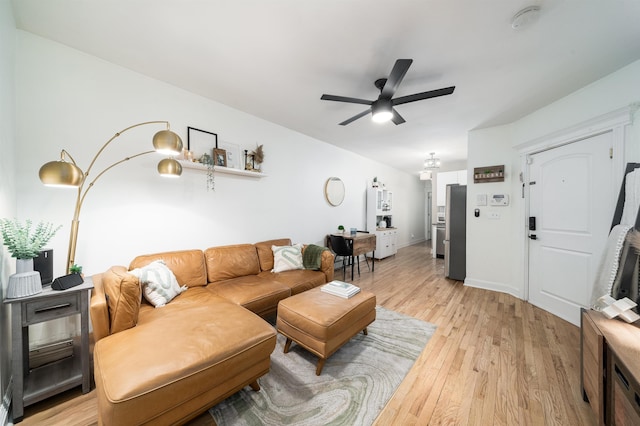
x,y
160,286
123,294
287,258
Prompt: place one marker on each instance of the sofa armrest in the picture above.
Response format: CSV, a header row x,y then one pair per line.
x,y
327,264
99,309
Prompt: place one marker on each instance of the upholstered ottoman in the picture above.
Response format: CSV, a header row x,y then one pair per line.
x,y
322,323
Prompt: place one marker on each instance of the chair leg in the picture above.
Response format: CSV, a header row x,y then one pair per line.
x,y
367,260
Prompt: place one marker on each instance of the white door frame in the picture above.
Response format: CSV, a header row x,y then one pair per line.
x,y
615,122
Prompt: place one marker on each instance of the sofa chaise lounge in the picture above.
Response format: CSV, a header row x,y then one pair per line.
x,y
167,365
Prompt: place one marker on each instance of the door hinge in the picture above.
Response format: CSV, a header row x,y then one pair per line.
x,y
610,153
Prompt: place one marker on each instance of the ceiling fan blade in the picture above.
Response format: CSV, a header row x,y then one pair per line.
x,y
395,78
355,117
424,95
345,99
397,118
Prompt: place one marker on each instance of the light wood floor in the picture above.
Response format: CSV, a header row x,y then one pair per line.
x,y
494,359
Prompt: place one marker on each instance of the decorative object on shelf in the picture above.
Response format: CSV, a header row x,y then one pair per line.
x,y
248,161
25,245
488,174
258,157
334,191
234,161
375,182
432,163
65,174
201,145
220,157
201,142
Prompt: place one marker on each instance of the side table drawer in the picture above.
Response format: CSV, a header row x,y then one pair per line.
x,y
51,308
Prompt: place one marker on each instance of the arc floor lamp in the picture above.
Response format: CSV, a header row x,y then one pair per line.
x,y
62,173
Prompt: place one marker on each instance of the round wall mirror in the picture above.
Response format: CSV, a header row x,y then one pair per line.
x,y
334,191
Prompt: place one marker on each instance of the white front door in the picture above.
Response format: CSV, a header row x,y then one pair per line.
x,y
572,197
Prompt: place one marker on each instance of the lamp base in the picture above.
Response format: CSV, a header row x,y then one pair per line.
x,y
24,284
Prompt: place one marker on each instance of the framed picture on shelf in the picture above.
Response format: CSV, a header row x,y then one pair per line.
x,y
200,142
220,157
233,155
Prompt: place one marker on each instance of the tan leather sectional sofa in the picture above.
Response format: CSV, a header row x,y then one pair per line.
x,y
169,364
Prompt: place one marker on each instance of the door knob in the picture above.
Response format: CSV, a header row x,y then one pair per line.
x,y
533,237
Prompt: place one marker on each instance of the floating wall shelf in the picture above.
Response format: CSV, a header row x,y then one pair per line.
x,y
218,169
488,174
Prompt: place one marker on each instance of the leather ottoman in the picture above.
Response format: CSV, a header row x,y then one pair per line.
x,y
322,323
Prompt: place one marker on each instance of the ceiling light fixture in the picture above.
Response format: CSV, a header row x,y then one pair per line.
x,y
525,17
432,162
381,111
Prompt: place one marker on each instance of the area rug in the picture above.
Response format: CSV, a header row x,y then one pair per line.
x,y
356,382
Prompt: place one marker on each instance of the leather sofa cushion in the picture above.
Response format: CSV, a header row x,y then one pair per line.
x,y
169,359
258,294
265,252
187,265
297,280
123,298
228,262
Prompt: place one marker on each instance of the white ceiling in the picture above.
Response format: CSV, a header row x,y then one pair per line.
x,y
274,59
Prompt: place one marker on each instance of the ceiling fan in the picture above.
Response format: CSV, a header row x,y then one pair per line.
x,y
382,109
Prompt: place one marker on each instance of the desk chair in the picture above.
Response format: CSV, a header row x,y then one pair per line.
x,y
341,248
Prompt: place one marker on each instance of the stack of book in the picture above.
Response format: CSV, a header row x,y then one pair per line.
x,y
339,288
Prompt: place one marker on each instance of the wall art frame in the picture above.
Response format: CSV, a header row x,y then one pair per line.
x,y
220,157
200,142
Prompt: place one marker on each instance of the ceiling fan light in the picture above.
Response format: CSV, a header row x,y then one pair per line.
x,y
381,111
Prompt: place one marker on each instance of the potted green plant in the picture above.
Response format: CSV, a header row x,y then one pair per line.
x,y
75,269
340,228
25,243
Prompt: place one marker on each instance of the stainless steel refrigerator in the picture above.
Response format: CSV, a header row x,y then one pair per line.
x,y
455,239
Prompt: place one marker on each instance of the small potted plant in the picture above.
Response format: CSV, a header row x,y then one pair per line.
x,y
76,269
25,244
340,229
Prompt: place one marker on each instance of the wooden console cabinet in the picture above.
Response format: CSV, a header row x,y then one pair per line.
x,y
610,368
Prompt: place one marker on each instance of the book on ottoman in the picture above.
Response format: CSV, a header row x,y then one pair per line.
x,y
339,288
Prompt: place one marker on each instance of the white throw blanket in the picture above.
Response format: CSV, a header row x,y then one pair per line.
x,y
631,198
609,264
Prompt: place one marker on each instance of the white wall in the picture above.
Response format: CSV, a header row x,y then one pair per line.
x,y
490,241
67,99
7,183
495,250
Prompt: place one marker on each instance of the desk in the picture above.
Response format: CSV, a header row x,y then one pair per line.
x,y
362,243
33,385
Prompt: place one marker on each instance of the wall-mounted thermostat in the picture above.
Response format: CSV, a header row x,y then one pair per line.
x,y
499,200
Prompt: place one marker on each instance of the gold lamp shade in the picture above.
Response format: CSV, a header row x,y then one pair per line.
x,y
169,168
168,143
61,173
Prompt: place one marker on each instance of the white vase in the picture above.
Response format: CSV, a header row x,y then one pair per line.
x,y
24,265
25,282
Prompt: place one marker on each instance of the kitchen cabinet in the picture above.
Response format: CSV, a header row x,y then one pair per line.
x,y
379,209
448,178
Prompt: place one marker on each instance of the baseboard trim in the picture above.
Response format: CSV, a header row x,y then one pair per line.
x,y
6,404
493,286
